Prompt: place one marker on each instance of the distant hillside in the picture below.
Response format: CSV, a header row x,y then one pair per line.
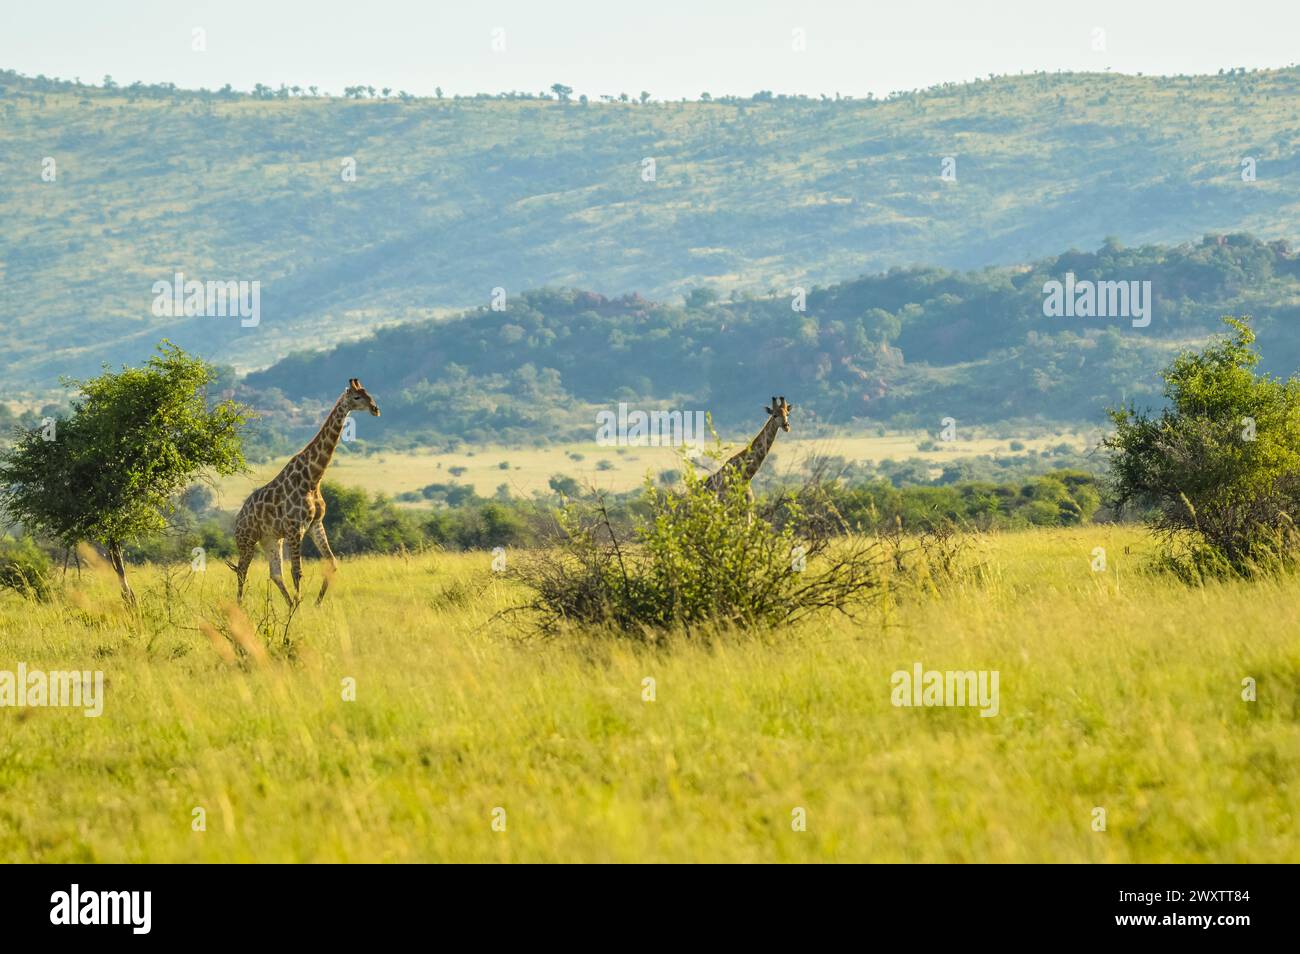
x,y
904,348
453,198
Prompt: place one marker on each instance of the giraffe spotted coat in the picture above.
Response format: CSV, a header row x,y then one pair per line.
x,y
290,507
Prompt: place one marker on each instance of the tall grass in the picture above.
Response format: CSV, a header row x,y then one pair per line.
x,y
1119,690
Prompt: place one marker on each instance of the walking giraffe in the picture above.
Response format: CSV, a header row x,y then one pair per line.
x,y
751,458
291,505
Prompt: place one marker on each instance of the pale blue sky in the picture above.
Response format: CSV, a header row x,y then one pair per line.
x,y
672,48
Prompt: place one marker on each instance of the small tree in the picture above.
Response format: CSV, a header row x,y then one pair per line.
x,y
564,485
693,558
1219,468
109,473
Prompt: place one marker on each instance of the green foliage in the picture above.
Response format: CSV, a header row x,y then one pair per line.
x,y
553,198
25,568
564,485
481,526
1219,467
1057,499
696,558
907,347
188,528
110,471
356,522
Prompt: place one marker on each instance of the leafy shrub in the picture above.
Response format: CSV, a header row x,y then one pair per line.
x,y
493,524
453,495
1058,498
359,523
1219,468
695,558
564,485
214,534
25,568
193,522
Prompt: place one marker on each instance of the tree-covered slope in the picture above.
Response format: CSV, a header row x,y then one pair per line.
x,y
453,198
905,347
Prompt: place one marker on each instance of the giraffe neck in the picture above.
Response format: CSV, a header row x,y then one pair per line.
x,y
320,451
751,458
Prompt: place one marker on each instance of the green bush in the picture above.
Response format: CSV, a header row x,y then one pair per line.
x,y
493,524
359,523
564,485
695,558
1219,468
194,522
1059,498
25,568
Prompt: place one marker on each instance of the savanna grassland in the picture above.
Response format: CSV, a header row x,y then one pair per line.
x,y
611,469
1118,689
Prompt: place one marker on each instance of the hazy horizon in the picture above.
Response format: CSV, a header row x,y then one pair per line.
x,y
675,50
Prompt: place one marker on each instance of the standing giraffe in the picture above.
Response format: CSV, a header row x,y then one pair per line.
x,y
751,458
291,505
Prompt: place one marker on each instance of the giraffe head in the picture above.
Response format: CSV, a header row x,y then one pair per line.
x,y
780,409
357,398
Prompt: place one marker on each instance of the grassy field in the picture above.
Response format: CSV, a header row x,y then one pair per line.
x,y
1118,690
529,468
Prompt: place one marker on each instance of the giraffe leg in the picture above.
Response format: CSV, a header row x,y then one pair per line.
x,y
246,545
294,542
241,569
274,557
317,531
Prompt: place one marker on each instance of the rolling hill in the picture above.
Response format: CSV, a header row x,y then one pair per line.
x,y
904,348
107,191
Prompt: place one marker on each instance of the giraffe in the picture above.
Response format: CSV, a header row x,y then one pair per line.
x,y
291,505
751,458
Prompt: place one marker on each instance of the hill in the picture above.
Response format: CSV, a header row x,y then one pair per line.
x,y
455,197
904,348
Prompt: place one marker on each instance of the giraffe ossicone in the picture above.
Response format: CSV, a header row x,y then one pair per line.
x,y
291,507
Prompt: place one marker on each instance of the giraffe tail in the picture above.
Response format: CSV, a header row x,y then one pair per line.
x,y
233,566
